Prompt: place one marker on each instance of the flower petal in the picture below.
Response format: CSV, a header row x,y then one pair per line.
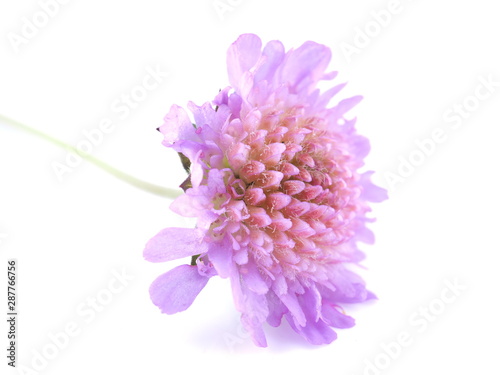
x,y
176,290
335,318
254,315
253,278
276,309
310,301
306,65
370,191
325,98
353,293
177,126
242,56
221,255
345,105
317,333
291,302
274,53
175,243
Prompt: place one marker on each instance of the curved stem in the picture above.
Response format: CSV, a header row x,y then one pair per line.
x,y
143,185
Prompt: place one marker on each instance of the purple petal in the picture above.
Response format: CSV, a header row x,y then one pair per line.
x,y
220,254
370,191
202,115
329,76
198,201
360,146
253,278
193,202
253,306
325,98
208,121
192,151
317,333
274,53
177,126
255,330
306,65
254,315
234,104
175,243
365,235
345,105
355,293
335,318
310,301
242,56
176,290
291,302
349,287
276,309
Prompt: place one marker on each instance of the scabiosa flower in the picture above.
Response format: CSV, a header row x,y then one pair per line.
x,y
275,188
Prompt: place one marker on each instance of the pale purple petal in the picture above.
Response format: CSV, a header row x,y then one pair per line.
x,y
345,105
221,255
203,115
191,203
360,145
175,243
177,126
365,235
208,121
254,315
254,328
291,302
176,290
335,318
274,53
370,191
306,65
354,294
325,98
317,333
276,309
242,56
310,301
253,278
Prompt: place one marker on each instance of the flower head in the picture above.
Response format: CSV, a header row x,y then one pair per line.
x,y
275,188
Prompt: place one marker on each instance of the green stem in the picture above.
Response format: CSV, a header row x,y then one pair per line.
x,y
146,186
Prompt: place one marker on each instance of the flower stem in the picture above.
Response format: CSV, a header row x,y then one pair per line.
x,y
143,185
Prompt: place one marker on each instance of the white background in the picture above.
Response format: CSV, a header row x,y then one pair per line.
x,y
439,226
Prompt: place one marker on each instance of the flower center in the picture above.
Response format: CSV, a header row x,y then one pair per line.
x,y
290,193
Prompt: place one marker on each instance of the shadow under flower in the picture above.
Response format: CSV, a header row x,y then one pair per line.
x,y
226,334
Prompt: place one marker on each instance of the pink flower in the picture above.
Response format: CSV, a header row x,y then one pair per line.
x,y
275,188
